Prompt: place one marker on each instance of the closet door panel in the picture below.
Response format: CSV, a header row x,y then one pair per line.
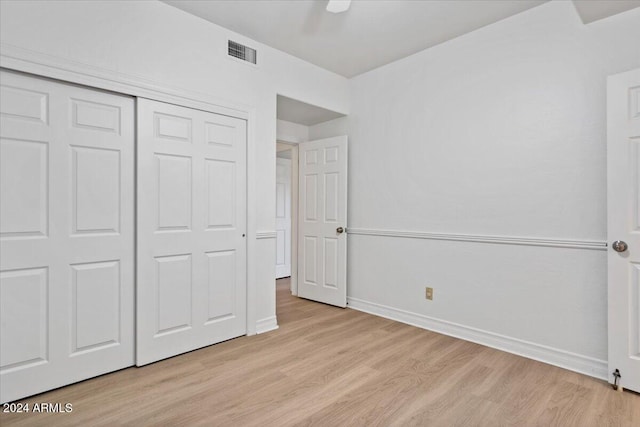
x,y
66,234
191,229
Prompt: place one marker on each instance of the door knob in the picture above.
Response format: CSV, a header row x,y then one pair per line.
x,y
339,230
619,246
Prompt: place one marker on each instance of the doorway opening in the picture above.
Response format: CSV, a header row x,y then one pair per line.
x,y
286,209
297,123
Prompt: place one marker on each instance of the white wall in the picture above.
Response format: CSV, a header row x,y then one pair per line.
x,y
161,44
291,132
501,133
335,127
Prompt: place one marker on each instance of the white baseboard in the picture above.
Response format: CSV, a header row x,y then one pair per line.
x,y
574,362
266,325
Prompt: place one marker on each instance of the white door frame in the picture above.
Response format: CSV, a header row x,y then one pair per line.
x,y
39,64
294,214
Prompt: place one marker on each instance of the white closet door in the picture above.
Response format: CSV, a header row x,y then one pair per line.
x,y
191,225
283,218
66,234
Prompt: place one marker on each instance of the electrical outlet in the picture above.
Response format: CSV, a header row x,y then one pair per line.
x,y
428,293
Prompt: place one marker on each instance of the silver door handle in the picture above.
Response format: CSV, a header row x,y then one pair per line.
x,y
620,246
339,230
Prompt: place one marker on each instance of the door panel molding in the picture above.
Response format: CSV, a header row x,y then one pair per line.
x,y
270,234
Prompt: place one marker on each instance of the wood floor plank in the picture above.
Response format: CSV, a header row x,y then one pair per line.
x,y
327,366
567,406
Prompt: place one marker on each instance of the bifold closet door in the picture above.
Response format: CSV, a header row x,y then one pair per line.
x,y
66,234
191,226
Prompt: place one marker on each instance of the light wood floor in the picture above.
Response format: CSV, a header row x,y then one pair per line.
x,y
327,366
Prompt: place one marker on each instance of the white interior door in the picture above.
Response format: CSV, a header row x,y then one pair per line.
x,y
283,218
322,219
66,234
623,193
191,226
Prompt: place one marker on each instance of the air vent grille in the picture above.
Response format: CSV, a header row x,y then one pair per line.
x,y
242,52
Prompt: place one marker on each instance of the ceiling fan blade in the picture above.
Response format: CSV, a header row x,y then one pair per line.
x,y
337,6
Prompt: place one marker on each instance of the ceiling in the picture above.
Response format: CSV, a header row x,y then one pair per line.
x,y
371,33
303,113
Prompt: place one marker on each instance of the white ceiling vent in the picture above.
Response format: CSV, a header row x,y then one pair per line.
x,y
242,52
